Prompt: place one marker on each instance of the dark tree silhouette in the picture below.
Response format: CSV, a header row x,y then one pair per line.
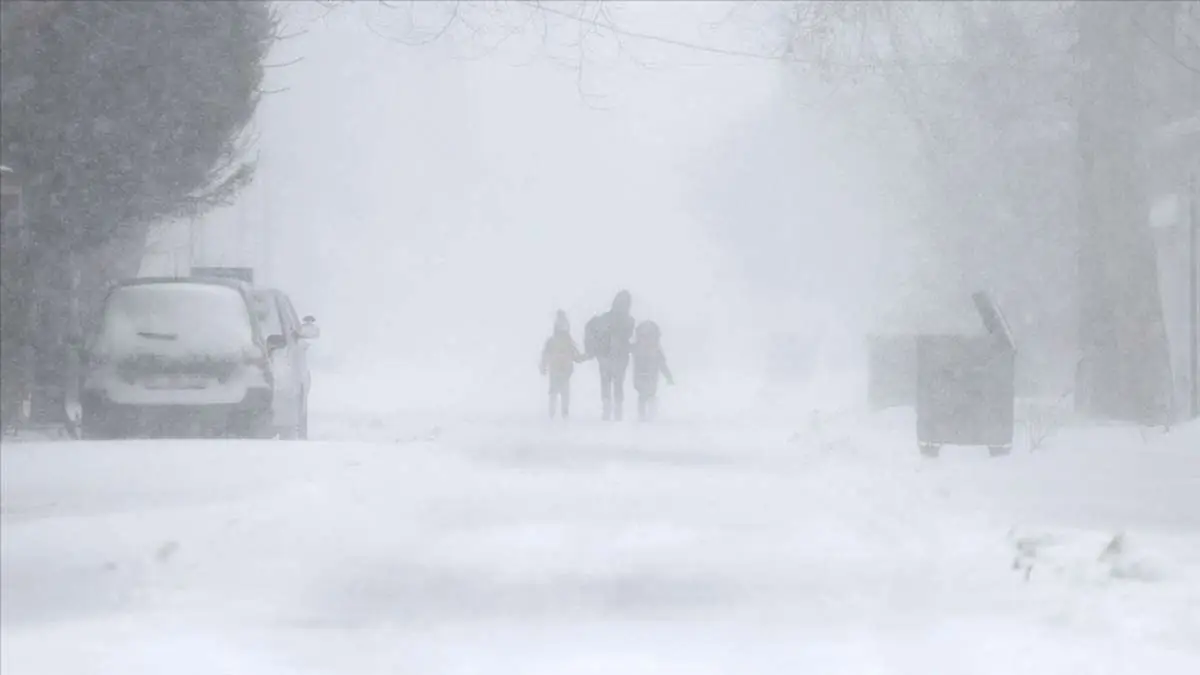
x,y
115,115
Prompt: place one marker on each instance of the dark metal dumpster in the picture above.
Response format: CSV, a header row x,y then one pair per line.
x,y
966,386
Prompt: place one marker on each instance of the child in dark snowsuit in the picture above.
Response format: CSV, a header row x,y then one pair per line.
x,y
559,357
648,362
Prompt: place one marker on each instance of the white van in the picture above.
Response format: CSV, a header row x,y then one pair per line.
x,y
178,356
287,339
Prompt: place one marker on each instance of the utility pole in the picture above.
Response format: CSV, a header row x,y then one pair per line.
x,y
1194,295
73,376
267,225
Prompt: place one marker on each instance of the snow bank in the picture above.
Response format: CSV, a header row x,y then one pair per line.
x,y
512,546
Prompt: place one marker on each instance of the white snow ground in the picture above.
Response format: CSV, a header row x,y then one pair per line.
x,y
526,547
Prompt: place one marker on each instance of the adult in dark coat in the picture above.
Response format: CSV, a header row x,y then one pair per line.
x,y
607,338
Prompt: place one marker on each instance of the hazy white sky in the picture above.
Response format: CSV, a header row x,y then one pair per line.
x,y
436,209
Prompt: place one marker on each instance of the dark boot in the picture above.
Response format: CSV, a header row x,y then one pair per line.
x,y
606,387
618,394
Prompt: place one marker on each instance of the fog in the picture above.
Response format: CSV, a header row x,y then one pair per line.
x,y
435,183
927,282
434,207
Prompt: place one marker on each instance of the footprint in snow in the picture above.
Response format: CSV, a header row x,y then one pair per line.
x,y
166,551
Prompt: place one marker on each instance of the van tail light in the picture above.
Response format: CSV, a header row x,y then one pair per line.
x,y
255,356
259,358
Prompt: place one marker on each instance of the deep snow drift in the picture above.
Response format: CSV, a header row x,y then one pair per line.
x,y
521,546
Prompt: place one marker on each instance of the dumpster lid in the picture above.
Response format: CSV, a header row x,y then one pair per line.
x,y
947,315
993,318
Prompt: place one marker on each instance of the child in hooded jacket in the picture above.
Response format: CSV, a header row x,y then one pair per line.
x,y
559,356
648,363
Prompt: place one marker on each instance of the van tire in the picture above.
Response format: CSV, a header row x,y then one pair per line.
x,y
302,425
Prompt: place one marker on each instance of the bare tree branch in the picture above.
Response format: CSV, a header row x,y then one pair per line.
x,y
289,36
285,64
1163,49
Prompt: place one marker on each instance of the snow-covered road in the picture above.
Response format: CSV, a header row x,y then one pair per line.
x,y
527,547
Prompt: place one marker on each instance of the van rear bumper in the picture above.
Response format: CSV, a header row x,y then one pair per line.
x,y
251,417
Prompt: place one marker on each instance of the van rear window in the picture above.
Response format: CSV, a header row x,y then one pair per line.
x,y
176,319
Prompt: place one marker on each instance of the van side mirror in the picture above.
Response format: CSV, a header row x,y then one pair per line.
x,y
308,330
275,342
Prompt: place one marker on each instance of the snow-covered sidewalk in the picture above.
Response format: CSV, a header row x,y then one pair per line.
x,y
526,547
